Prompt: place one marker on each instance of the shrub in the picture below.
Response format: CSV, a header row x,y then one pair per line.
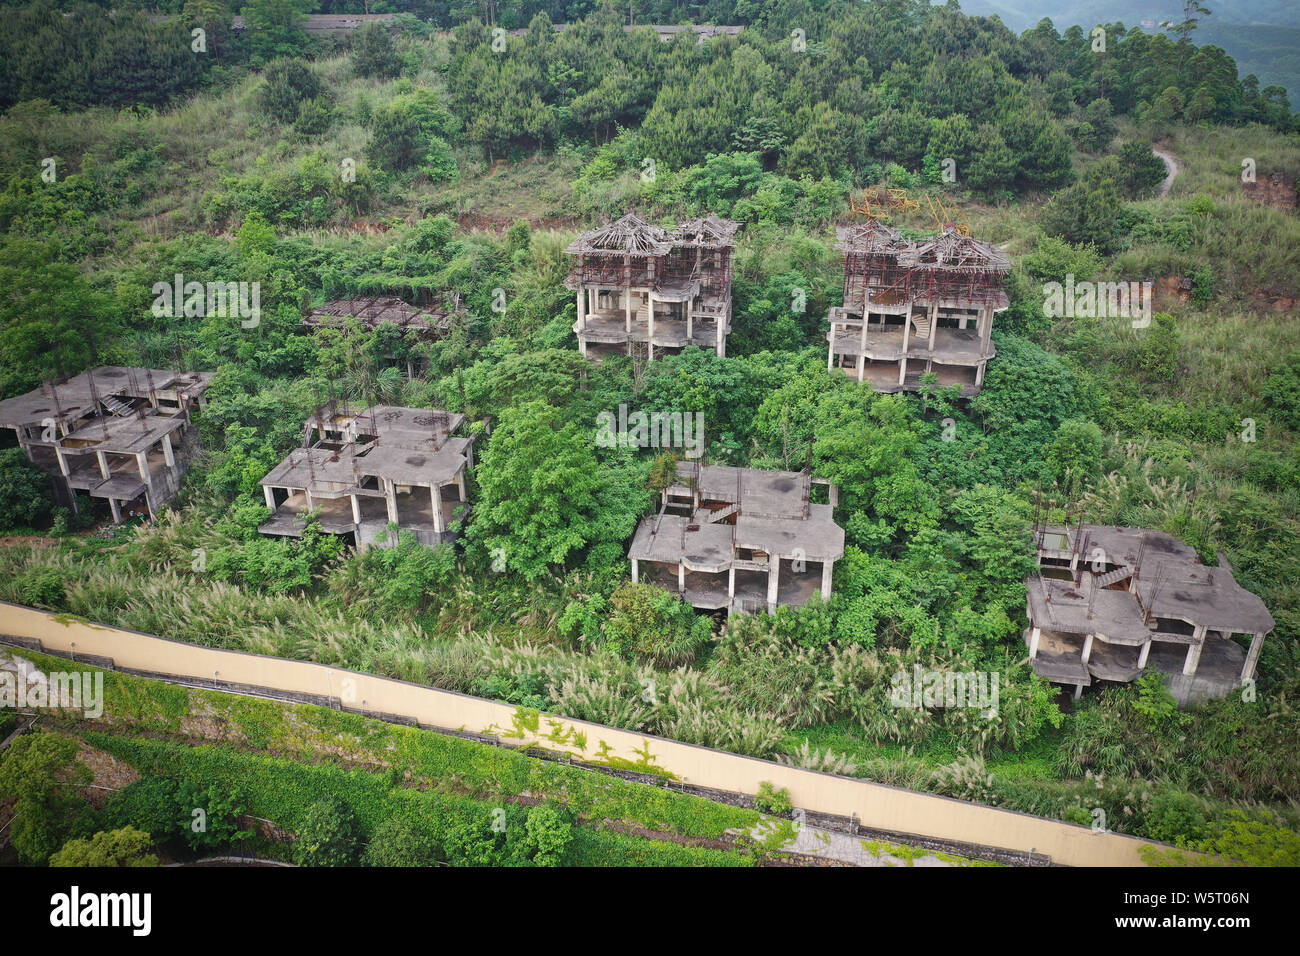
x,y
24,490
773,799
374,53
288,84
328,835
125,847
41,586
406,840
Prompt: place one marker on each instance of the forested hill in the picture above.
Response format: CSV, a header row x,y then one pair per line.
x,y
874,82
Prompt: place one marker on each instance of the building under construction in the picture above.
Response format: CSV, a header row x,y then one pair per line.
x,y
358,470
646,290
1109,602
372,312
912,307
119,433
739,539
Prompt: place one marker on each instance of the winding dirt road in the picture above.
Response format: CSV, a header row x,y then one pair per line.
x,y
1172,167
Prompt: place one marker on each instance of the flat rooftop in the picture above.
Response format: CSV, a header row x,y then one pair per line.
x,y
760,493
76,397
1171,582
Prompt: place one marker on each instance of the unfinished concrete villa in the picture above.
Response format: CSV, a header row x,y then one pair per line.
x,y
739,539
123,434
646,290
912,307
1109,602
360,469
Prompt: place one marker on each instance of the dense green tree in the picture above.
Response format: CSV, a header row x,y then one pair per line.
x,y
1089,211
406,840
24,490
288,85
327,835
540,492
125,847
374,53
42,772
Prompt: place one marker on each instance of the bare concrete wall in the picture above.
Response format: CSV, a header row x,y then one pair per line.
x,y
876,806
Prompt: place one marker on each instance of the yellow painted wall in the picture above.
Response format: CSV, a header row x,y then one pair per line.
x,y
876,806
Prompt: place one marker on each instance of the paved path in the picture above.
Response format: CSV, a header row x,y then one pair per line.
x,y
855,851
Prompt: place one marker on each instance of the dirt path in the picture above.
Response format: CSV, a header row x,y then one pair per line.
x,y
1172,167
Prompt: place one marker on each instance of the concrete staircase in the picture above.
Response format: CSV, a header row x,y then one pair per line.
x,y
115,405
1122,573
921,328
721,514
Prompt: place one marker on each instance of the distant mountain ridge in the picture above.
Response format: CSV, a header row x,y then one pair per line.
x,y
1263,36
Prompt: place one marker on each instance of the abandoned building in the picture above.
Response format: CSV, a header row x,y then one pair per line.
x,y
912,307
123,434
370,313
360,469
1109,602
740,539
415,323
646,290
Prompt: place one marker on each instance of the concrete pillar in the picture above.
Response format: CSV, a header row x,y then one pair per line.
x,y
63,462
582,309
690,321
830,349
356,509
650,319
390,498
460,486
435,494
636,571
979,374
773,579
934,324
117,510
1034,635
902,371
269,493
862,367
1078,691
731,583
103,465
169,454
310,502
142,462
627,294
1144,654
1194,653
833,495
148,503
1252,657
1087,648
681,576
907,330
828,568
721,347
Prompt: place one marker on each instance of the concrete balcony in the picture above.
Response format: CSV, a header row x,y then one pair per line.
x,y
951,346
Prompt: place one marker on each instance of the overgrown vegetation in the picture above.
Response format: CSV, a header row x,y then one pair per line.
x,y
411,163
